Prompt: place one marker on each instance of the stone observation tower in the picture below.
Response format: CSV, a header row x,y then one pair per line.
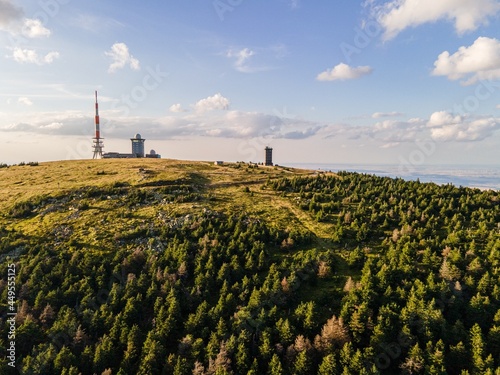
x,y
269,156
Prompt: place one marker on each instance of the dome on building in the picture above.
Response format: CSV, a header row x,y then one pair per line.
x,y
138,136
152,152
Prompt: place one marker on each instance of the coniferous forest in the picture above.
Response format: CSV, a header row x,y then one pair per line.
x,y
185,268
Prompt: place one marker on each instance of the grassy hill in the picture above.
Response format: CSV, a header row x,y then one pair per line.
x,y
178,267
116,195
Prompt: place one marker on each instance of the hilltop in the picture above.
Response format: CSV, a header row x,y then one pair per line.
x,y
157,266
43,195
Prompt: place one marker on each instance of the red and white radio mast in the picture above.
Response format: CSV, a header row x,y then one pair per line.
x,y
98,145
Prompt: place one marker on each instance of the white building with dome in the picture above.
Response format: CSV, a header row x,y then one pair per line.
x,y
138,146
137,150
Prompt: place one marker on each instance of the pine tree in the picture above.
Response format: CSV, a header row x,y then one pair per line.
x,y
181,367
305,312
275,367
477,350
328,366
221,365
198,369
64,359
302,364
435,355
242,358
265,347
333,334
285,331
133,351
104,354
414,362
152,356
47,316
254,370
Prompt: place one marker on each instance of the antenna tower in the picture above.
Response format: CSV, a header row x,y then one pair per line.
x,y
98,145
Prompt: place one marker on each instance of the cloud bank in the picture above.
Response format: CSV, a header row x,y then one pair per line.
x,y
441,126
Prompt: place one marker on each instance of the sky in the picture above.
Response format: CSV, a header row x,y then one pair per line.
x,y
409,82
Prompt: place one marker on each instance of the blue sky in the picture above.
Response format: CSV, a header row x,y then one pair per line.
x,y
410,81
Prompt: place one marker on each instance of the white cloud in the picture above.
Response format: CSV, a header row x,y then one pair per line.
x,y
176,108
397,131
121,56
479,61
30,56
25,56
443,118
398,15
344,72
261,59
466,131
241,57
212,103
24,100
34,29
12,20
50,57
387,114
498,106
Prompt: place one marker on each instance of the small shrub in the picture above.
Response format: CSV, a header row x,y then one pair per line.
x,y
21,210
